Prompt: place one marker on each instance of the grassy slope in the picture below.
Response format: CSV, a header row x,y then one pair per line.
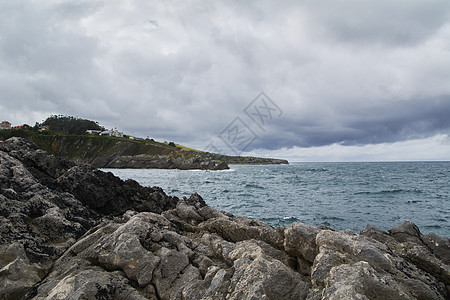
x,y
88,147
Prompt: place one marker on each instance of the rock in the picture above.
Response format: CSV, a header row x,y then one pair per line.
x,y
187,209
236,229
440,247
222,166
430,253
300,240
381,271
71,232
361,281
47,204
407,232
143,161
89,283
17,273
260,276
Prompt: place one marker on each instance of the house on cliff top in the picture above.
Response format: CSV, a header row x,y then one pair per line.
x,y
112,132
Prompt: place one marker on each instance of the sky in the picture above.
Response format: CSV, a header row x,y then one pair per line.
x,y
305,80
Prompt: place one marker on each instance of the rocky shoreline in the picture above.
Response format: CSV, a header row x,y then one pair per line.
x,y
69,231
157,162
270,161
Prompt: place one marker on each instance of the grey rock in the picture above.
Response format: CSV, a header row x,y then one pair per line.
x,y
300,240
407,232
361,281
17,273
90,283
237,229
439,246
429,253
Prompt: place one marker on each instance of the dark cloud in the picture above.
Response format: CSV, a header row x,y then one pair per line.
x,y
400,22
349,72
393,122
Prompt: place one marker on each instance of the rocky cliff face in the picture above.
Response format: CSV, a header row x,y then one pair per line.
x,y
71,232
157,162
111,152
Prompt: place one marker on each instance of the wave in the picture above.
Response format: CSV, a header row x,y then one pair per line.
x,y
253,186
442,220
245,195
394,191
431,227
227,170
413,201
332,218
315,170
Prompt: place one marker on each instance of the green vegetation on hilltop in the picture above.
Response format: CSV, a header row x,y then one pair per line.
x,y
70,125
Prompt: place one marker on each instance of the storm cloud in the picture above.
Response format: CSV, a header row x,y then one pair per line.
x,y
342,72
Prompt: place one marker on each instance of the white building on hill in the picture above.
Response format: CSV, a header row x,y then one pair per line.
x,y
112,132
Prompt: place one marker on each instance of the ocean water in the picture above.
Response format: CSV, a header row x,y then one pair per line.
x,y
339,195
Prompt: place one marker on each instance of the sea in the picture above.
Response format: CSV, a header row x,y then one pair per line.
x,y
339,195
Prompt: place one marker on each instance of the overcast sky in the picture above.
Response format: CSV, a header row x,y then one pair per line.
x,y
341,79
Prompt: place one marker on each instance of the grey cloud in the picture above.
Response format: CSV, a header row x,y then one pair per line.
x,y
400,22
398,121
405,121
46,58
349,72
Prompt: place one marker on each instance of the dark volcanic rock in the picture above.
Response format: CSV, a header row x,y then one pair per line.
x,y
46,204
70,232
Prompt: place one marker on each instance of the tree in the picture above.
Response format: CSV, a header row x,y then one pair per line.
x,y
71,125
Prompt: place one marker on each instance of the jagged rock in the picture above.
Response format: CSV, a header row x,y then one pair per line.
x,y
17,273
430,253
361,281
222,166
377,266
89,283
257,275
47,204
237,229
71,232
300,240
440,247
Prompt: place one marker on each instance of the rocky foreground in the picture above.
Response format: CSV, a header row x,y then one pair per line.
x,y
71,232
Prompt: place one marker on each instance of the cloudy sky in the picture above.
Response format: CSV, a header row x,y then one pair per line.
x,y
341,79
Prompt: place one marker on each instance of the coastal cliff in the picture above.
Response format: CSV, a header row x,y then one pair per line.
x,y
113,152
69,231
120,152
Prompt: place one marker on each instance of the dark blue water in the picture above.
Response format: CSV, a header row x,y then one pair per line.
x,y
339,195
